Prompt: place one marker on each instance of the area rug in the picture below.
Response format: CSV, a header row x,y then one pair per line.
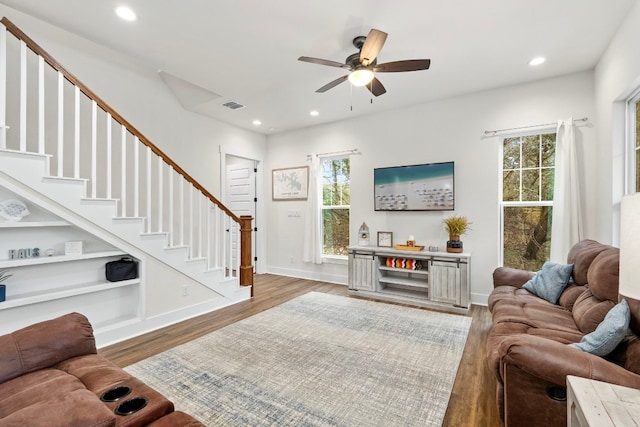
x,y
317,360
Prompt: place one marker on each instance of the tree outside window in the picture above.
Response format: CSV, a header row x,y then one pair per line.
x,y
527,199
336,200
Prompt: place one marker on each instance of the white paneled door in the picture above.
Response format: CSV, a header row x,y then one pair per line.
x,y
241,197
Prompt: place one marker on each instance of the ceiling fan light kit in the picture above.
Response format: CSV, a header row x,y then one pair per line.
x,y
361,77
363,64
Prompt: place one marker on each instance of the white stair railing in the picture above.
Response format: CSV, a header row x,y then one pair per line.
x,y
79,132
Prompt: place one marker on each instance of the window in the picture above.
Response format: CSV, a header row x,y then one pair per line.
x,y
527,199
336,197
633,118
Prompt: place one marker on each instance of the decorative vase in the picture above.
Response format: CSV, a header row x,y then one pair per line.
x,y
454,244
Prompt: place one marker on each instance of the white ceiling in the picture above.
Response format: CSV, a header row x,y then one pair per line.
x,y
246,50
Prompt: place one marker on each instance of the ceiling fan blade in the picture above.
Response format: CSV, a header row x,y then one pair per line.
x,y
398,66
376,88
332,84
371,47
324,62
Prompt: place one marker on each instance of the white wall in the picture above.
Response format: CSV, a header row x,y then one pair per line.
x,y
616,76
446,130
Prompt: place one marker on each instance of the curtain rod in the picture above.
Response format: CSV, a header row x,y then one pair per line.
x,y
334,153
499,131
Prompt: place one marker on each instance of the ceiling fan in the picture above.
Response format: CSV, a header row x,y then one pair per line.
x,y
363,64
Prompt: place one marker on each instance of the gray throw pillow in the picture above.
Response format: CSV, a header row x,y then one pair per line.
x,y
549,282
609,333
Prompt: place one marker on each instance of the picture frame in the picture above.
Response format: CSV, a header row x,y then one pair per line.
x,y
385,239
290,183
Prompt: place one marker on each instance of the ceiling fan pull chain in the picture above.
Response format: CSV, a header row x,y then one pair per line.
x,y
351,92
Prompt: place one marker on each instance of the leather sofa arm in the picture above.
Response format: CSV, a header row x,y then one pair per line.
x,y
45,344
552,361
507,276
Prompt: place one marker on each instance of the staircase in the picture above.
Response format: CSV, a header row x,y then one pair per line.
x,y
81,159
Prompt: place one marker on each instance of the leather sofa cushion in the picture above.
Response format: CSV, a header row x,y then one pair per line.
x,y
581,256
44,344
603,275
95,372
50,397
589,311
570,295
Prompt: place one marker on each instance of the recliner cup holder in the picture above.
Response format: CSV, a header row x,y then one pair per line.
x,y
131,406
115,393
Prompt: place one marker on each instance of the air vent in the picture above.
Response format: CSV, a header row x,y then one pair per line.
x,y
233,105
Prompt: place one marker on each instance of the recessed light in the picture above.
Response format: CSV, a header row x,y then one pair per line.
x,y
257,122
314,113
537,61
126,13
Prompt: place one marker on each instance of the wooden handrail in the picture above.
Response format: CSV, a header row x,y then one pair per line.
x,y
246,271
11,27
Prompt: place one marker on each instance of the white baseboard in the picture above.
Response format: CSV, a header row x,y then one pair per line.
x,y
309,275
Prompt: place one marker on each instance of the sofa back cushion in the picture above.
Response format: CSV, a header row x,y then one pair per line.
x,y
45,344
581,256
594,303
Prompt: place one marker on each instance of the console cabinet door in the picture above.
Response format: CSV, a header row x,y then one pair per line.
x,y
362,271
445,282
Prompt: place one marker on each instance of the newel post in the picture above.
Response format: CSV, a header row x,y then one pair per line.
x,y
246,268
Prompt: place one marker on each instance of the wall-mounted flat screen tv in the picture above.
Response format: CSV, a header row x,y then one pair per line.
x,y
427,187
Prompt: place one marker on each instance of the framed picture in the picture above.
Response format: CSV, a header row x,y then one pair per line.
x,y
385,239
290,183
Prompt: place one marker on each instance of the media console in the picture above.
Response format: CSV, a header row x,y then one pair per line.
x,y
427,279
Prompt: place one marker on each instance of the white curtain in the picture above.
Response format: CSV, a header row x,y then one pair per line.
x,y
312,242
567,224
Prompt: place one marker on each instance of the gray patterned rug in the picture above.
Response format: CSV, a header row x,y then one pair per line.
x,y
317,360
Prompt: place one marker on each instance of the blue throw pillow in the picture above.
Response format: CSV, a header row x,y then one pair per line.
x,y
609,333
549,282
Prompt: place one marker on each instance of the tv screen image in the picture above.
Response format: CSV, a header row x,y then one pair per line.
x,y
426,187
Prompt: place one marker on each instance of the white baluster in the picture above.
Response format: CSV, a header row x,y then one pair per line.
x,y
60,159
136,177
94,151
190,239
23,96
123,170
41,99
208,234
171,205
3,87
76,134
109,155
200,224
160,191
149,190
181,191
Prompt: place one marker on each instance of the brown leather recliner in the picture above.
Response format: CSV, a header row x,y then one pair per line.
x,y
527,347
51,375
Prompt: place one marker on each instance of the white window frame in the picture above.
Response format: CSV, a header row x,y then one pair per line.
x,y
501,203
631,151
331,258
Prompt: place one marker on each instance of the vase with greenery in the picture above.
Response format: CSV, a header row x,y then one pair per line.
x,y
456,225
4,275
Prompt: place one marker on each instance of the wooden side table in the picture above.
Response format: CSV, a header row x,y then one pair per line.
x,y
599,404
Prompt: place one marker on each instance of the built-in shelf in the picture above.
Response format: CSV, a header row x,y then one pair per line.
x,y
33,224
66,292
58,258
396,280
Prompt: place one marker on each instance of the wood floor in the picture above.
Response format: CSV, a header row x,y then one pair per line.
x,y
472,402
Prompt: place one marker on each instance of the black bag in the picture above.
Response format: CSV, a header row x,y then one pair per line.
x,y
123,269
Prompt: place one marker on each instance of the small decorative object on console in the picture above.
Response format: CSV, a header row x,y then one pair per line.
x,y
385,239
456,226
363,235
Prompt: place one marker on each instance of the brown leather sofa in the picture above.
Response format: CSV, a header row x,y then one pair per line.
x,y
51,375
527,347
